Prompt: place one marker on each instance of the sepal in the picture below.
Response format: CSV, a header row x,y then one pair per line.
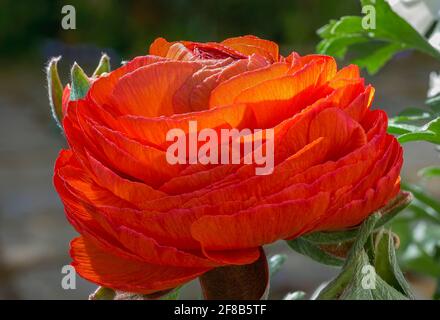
x,y
55,90
80,83
367,276
103,66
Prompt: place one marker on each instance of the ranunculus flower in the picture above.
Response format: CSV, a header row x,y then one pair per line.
x,y
147,225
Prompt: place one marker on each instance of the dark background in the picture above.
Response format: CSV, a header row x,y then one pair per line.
x,y
34,234
27,27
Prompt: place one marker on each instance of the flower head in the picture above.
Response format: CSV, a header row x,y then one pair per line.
x,y
148,225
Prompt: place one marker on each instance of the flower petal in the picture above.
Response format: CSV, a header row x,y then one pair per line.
x,y
98,266
260,225
227,91
250,45
148,91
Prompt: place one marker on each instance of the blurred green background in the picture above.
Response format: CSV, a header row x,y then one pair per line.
x,y
34,234
26,27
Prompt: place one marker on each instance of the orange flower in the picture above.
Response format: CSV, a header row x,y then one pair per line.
x,y
147,225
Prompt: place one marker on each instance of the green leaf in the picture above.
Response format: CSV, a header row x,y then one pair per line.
x,y
391,35
429,172
407,125
359,280
314,252
321,246
331,237
429,132
335,288
348,285
338,46
326,31
411,115
394,207
370,248
275,263
393,28
103,66
55,88
364,233
401,128
374,57
386,264
347,25
80,83
383,291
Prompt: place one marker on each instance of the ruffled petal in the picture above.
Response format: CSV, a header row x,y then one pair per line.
x,y
227,91
148,91
250,45
101,267
261,225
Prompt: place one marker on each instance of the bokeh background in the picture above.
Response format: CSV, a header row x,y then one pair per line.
x,y
34,234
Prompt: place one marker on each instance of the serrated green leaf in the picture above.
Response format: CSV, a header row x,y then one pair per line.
x,y
393,28
391,35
